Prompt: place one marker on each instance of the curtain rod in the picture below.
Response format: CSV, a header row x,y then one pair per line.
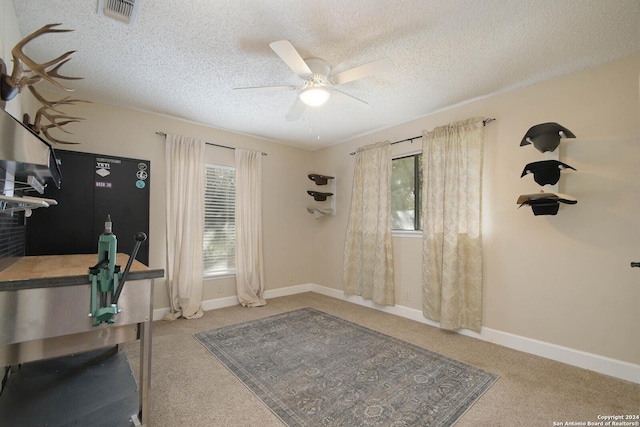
x,y
211,143
484,122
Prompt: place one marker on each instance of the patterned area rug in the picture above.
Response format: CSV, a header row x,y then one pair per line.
x,y
314,369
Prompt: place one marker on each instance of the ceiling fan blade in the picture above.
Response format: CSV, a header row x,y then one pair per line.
x,y
333,89
296,110
366,70
285,50
267,88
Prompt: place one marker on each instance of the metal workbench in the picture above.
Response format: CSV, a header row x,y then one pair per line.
x,y
45,328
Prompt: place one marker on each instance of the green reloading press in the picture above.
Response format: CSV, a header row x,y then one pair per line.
x,y
107,279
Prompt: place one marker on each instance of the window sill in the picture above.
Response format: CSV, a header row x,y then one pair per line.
x,y
219,276
414,234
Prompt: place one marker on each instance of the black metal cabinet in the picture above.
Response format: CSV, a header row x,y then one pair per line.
x,y
93,186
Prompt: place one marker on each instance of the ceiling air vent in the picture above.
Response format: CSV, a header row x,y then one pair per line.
x,y
121,10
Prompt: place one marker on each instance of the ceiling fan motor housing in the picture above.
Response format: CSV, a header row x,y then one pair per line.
x,y
315,80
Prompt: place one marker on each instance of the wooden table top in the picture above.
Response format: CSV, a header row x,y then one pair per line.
x,y
70,269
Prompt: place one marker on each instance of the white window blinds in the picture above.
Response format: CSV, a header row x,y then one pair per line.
x,y
219,221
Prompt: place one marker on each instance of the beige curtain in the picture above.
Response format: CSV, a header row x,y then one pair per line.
x,y
185,222
249,253
368,254
452,235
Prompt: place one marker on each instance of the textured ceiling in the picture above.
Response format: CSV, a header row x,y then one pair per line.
x,y
183,58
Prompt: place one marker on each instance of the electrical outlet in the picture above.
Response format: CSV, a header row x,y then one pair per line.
x,y
219,288
406,295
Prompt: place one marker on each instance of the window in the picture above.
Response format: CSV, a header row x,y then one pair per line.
x,y
219,250
406,181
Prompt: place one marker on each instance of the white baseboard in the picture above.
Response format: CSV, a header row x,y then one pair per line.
x,y
159,313
214,304
290,290
593,362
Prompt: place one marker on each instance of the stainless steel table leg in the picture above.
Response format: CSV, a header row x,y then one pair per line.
x,y
145,363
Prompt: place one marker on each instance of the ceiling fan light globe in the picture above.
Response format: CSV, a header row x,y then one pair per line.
x,y
314,96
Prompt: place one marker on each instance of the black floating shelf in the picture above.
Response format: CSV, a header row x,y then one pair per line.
x,y
319,179
318,196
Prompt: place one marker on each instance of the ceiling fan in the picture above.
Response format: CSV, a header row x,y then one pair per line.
x,y
318,83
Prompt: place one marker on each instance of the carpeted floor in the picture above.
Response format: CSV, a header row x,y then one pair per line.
x,y
190,387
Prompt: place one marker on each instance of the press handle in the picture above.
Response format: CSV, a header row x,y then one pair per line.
x,y
139,238
635,264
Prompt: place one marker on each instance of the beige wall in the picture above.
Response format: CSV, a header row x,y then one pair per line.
x,y
561,279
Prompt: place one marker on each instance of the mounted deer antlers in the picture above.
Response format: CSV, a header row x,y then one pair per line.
x,y
54,119
26,73
22,64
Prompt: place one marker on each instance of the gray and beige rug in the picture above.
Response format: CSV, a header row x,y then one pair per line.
x,y
314,369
